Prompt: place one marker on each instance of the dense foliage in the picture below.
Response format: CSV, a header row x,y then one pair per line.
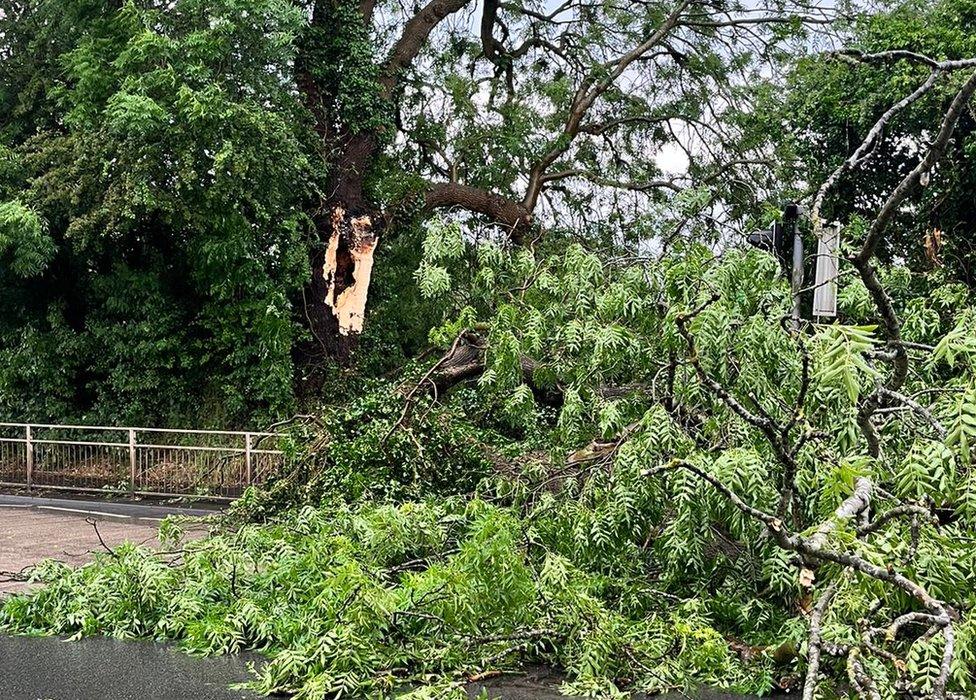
x,y
615,563
153,180
368,601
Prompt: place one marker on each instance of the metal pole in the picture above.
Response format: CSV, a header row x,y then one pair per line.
x,y
797,280
30,458
132,461
247,458
791,228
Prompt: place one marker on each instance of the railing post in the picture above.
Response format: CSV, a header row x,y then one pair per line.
x,y
132,461
247,459
29,449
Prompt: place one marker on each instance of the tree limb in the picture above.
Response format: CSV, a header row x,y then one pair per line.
x,y
412,39
814,642
509,213
589,91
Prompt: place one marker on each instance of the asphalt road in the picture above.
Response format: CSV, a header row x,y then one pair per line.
x,y
541,683
131,509
108,669
32,529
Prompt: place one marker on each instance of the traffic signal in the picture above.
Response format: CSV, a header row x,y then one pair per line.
x,y
778,238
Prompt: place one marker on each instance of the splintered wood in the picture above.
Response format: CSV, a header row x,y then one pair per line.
x,y
348,268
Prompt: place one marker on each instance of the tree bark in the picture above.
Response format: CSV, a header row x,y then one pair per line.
x,y
466,361
512,215
346,225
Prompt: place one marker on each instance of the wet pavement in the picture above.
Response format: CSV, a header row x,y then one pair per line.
x,y
96,668
32,668
32,529
541,683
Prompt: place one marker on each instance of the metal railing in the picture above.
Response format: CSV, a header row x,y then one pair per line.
x,y
138,461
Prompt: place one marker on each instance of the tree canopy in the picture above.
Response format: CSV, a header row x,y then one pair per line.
x,y
192,191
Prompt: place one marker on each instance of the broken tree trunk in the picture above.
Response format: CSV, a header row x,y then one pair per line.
x,y
466,361
341,273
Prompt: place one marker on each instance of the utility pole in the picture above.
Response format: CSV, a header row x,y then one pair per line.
x,y
791,231
783,240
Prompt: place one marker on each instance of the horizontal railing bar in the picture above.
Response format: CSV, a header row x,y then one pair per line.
x,y
46,426
192,431
36,441
196,431
78,443
202,448
192,448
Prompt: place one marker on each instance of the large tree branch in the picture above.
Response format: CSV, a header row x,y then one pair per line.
x,y
814,642
413,38
587,94
862,260
914,178
489,44
858,502
509,213
765,19
861,152
905,55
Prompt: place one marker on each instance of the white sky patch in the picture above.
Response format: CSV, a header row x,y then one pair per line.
x,y
672,159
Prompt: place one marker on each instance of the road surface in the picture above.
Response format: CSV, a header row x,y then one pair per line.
x,y
32,529
108,669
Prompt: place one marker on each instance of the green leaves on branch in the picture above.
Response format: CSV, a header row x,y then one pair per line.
x,y
24,238
373,600
959,344
843,367
443,244
962,431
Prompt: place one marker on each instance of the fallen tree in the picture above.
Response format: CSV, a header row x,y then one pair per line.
x,y
758,545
